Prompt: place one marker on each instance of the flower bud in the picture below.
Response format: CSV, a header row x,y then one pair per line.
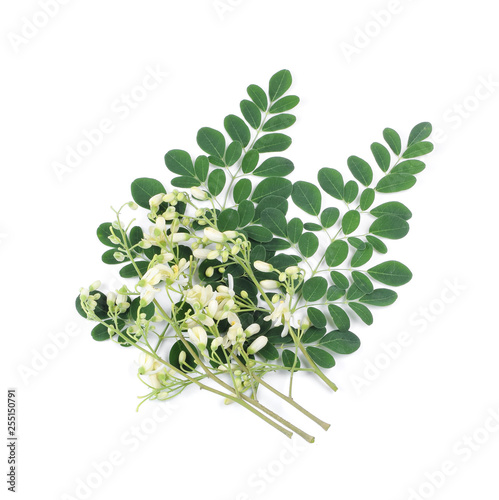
x,y
252,329
213,254
156,200
244,294
114,239
201,253
199,194
132,205
145,244
95,285
198,336
231,234
119,256
282,277
178,237
264,267
209,272
84,292
269,284
235,250
167,198
199,212
214,235
181,358
257,344
111,299
216,343
292,270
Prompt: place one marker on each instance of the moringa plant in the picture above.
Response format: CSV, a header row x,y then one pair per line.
x,y
224,287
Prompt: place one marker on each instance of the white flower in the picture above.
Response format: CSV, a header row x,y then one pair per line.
x,y
201,253
269,284
264,267
199,296
214,235
252,329
257,344
199,194
156,200
147,295
281,315
198,337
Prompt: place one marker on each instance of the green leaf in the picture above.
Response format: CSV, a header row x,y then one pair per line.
x,y
211,141
392,208
393,140
408,167
279,122
271,202
228,220
380,297
290,359
201,167
418,149
246,211
313,334
144,189
185,182
284,104
308,244
340,317
307,196
419,133
316,317
340,280
312,226
336,253
277,244
295,229
362,312
329,216
321,357
179,162
129,270
351,191
389,226
377,244
363,282
259,233
334,293
272,143
314,289
357,243
250,161
136,235
360,169
237,129
251,113
367,198
242,190
269,352
275,167
332,182
258,96
274,219
393,183
216,161
176,349
391,273
216,182
350,221
354,292
100,333
361,256
381,155
104,231
279,84
233,153
275,186
342,342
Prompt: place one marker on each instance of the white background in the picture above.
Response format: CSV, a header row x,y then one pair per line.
x,y
78,408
